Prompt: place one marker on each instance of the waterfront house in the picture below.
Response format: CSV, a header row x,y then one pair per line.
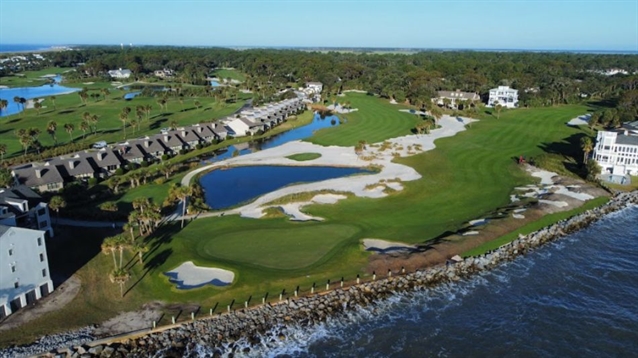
x,y
238,127
616,151
220,131
506,97
189,137
25,275
171,141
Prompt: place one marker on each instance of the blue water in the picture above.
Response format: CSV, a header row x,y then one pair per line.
x,y
277,140
30,93
214,84
22,47
577,297
131,95
230,187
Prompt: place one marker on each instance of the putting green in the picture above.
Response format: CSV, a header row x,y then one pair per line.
x,y
303,245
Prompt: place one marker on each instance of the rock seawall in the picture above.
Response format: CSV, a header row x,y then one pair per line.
x,y
269,321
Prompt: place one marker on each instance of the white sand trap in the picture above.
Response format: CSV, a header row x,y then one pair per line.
x,y
470,233
392,101
386,246
88,83
4,87
518,216
545,176
520,210
558,204
394,185
578,196
294,211
188,275
328,198
514,198
580,120
355,91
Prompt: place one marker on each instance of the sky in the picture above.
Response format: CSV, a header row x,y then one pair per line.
x,y
607,25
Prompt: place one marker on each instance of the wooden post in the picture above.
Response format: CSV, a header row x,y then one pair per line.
x,y
358,279
403,270
312,290
374,276
173,319
389,273
341,281
154,324
211,312
245,304
296,291
328,285
228,307
193,316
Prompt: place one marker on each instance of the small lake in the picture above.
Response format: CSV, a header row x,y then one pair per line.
x,y
276,140
131,95
230,187
31,93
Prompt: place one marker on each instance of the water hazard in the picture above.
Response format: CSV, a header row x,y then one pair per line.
x,y
30,93
230,187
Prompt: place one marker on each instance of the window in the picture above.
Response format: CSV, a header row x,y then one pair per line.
x,y
43,224
39,241
10,252
13,268
44,272
41,212
41,257
16,284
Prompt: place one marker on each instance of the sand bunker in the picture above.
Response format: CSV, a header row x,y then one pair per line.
x,y
580,120
188,275
384,246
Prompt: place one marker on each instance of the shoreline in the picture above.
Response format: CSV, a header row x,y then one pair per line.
x,y
270,320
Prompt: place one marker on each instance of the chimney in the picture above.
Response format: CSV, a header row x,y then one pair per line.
x,y
147,143
200,129
38,173
183,133
72,164
165,138
101,155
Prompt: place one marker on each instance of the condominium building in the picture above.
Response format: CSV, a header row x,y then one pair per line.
x,y
506,97
616,151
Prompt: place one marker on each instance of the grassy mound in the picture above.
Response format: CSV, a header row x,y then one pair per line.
x,y
302,157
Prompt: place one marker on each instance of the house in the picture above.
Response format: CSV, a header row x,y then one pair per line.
x,y
220,131
616,151
130,152
455,97
316,87
24,274
74,167
204,131
152,147
120,73
20,206
164,73
189,137
171,141
40,177
238,127
105,161
506,97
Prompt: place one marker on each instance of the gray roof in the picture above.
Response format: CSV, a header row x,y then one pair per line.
x,y
458,95
73,166
19,192
188,135
150,144
203,130
632,126
102,158
27,175
170,140
219,129
4,229
250,123
131,151
627,139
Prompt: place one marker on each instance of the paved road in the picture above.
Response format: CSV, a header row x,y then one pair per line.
x,y
87,223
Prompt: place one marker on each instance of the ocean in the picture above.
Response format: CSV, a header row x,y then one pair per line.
x,y
23,47
577,296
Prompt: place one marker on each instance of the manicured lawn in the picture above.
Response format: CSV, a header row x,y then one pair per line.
x,y
31,78
69,109
302,157
375,121
464,178
303,245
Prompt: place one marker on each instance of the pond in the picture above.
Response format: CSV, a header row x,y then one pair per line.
x,y
225,188
276,140
129,96
31,93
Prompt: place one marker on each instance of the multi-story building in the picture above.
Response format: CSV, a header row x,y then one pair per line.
x,y
506,97
455,97
21,206
616,151
24,268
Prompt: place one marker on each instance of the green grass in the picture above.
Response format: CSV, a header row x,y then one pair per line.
x,y
304,245
30,78
464,178
233,74
375,121
69,109
534,226
302,157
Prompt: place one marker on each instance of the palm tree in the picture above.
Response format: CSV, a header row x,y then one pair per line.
x,y
3,151
173,124
148,109
197,104
93,120
134,124
124,118
51,128
37,105
180,193
3,104
17,100
447,103
120,277
437,113
109,247
594,120
69,128
84,126
56,203
53,98
587,146
140,248
26,141
105,92
497,108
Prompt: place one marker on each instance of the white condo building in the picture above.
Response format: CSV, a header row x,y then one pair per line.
x,y
506,97
24,268
616,151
